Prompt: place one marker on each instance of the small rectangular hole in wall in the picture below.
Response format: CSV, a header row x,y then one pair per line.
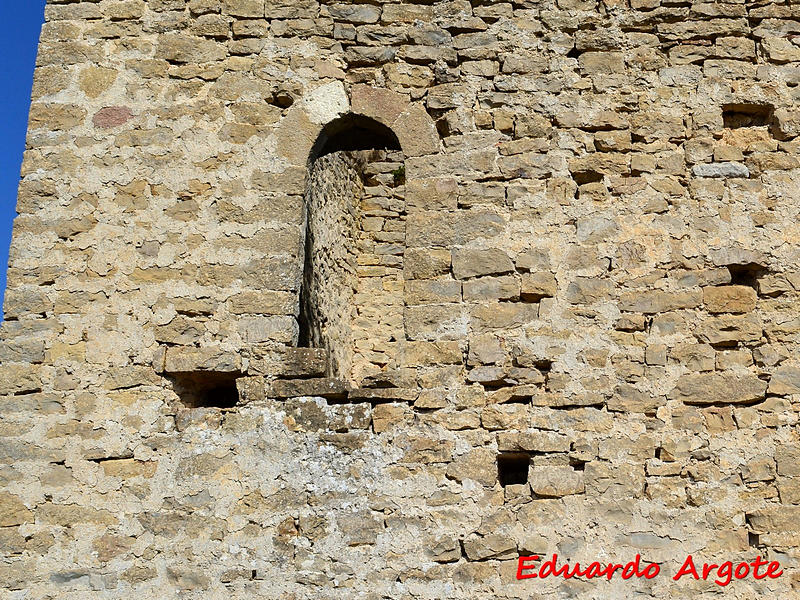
x,y
752,539
583,177
746,115
206,389
512,468
748,274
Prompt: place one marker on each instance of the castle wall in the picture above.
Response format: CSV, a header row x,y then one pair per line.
x,y
329,276
353,275
573,324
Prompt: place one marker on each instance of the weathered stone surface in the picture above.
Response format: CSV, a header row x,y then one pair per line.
x,y
444,549
127,468
25,301
111,546
552,482
364,13
621,482
588,290
416,132
65,515
94,81
185,49
256,330
431,353
503,417
503,315
542,441
18,379
435,229
774,519
432,291
13,511
653,301
435,322
434,193
726,329
262,303
729,299
478,465
785,380
425,450
485,349
721,170
536,286
426,263
627,398
788,121
243,8
489,546
360,528
292,388
130,376
491,288
386,416
712,388
303,362
56,117
377,103
183,360
382,395
786,458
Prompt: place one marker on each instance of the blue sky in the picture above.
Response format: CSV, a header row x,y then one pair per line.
x,y
17,57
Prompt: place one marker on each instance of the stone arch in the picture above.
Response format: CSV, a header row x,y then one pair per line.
x,y
353,132
300,129
353,201
351,297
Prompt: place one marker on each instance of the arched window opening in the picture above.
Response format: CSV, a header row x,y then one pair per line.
x,y
352,133
351,297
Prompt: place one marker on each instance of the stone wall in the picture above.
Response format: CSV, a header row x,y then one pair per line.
x,y
379,300
333,220
574,322
352,298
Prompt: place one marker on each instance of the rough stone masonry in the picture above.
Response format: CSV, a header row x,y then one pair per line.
x,y
364,300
